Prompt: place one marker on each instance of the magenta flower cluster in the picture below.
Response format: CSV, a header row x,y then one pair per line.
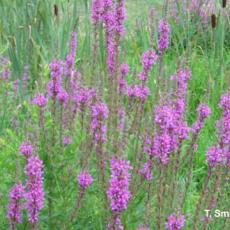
x,y
120,15
112,15
26,149
70,58
40,100
139,91
149,58
84,96
99,115
204,111
17,194
175,222
67,140
215,156
124,69
32,193
164,35
34,188
118,191
169,117
85,179
146,171
115,224
54,86
97,10
220,154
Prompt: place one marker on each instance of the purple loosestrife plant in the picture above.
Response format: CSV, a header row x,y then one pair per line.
x,y
121,115
120,14
70,58
146,171
54,86
34,188
204,111
110,41
4,68
139,91
124,69
67,140
84,180
17,194
215,156
219,155
63,97
175,222
40,100
148,59
99,114
97,10
26,149
118,191
223,124
164,36
116,224
83,97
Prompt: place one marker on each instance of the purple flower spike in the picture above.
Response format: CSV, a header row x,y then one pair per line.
x,y
34,187
15,207
40,100
85,179
120,15
99,114
26,148
125,68
63,97
118,191
164,36
67,140
204,111
175,222
97,8
146,171
149,58
225,101
215,156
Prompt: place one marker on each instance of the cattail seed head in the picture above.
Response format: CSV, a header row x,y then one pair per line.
x,y
213,19
224,3
55,9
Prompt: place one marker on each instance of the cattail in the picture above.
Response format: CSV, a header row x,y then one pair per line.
x,y
55,9
213,19
224,3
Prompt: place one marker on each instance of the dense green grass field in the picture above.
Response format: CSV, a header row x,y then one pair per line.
x,y
31,34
